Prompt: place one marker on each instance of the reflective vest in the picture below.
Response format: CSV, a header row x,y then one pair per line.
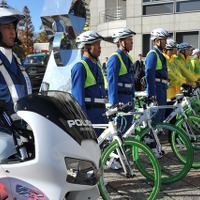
x,y
90,80
123,69
11,85
158,63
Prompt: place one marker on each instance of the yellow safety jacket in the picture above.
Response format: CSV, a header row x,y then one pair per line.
x,y
184,66
196,65
174,75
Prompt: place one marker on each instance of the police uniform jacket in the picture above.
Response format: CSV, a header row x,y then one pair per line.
x,y
120,87
14,83
152,73
96,91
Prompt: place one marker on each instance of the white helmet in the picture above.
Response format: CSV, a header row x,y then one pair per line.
x,y
183,46
88,37
9,14
122,33
159,33
195,51
191,47
171,44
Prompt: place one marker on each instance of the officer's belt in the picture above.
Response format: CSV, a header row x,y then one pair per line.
x,y
125,92
92,106
160,80
126,85
95,100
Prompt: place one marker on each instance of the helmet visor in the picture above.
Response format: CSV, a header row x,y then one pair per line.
x,y
7,20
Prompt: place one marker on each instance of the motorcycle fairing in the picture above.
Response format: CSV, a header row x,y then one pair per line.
x,y
61,109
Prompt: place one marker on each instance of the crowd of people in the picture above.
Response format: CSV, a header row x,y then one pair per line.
x,y
166,68
88,76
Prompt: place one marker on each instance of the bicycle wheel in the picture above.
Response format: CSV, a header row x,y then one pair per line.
x,y
172,167
190,112
196,106
194,126
115,185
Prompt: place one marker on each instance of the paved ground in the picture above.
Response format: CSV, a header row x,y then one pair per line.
x,y
186,189
138,188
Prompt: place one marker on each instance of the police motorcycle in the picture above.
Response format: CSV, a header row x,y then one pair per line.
x,y
57,158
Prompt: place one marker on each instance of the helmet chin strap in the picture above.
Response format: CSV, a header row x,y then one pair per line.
x,y
159,47
183,52
89,52
92,55
3,44
124,46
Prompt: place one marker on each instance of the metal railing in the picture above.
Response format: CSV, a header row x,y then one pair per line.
x,y
113,14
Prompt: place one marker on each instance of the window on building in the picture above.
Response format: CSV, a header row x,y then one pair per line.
x,y
145,1
184,6
155,7
189,37
115,10
158,8
146,44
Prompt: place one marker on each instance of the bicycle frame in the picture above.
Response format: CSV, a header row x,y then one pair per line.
x,y
111,130
177,109
144,117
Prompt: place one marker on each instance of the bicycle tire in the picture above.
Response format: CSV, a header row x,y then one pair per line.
x,y
150,194
172,167
195,105
194,122
190,112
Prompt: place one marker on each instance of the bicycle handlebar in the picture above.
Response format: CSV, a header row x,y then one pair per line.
x,y
189,90
119,107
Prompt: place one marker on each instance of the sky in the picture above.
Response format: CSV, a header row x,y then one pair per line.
x,y
35,8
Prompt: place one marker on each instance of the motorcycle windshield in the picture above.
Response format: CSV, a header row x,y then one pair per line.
x,y
63,110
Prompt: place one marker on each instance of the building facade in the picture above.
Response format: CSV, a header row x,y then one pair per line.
x,y
181,18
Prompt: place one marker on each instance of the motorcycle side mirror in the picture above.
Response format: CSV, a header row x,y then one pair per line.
x,y
44,88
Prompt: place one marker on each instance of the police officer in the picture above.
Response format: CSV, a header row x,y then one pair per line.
x,y
87,78
174,73
184,63
14,83
156,71
196,61
120,75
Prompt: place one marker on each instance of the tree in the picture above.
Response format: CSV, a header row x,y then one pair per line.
x,y
19,51
42,37
26,32
3,2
